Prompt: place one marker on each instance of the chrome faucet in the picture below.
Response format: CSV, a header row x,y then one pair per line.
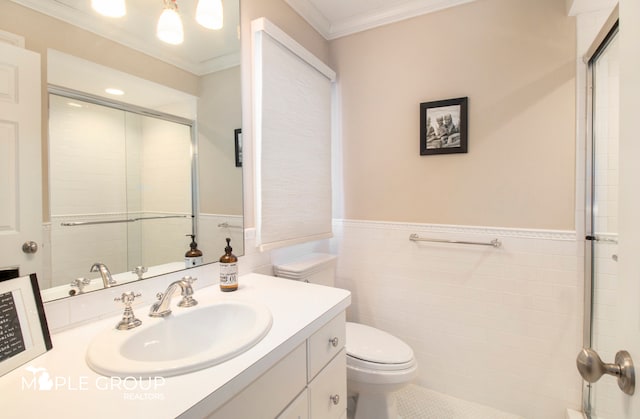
x,y
107,280
161,308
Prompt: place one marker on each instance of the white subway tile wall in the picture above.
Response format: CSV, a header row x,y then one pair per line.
x,y
501,327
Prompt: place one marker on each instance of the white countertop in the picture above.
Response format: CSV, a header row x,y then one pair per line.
x,y
298,309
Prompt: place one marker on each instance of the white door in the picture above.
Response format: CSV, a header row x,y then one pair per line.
x,y
20,160
628,307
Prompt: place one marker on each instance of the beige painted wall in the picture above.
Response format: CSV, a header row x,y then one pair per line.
x,y
515,60
219,114
278,12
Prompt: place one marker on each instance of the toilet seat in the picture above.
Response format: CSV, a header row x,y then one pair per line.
x,y
361,364
373,349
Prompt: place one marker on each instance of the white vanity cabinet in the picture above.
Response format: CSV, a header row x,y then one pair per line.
x,y
296,371
327,371
308,383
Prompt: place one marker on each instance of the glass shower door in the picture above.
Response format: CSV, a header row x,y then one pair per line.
x,y
602,398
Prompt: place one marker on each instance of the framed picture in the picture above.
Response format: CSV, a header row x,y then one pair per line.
x,y
238,136
443,126
24,334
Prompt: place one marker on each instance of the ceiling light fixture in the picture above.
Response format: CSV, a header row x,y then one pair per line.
x,y
110,8
113,91
209,14
169,27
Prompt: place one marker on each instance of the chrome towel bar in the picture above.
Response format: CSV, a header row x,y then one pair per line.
x,y
125,220
493,243
227,225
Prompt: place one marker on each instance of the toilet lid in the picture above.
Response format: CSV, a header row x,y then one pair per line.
x,y
374,345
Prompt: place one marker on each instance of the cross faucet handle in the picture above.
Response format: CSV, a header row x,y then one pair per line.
x,y
79,283
187,292
140,271
189,279
129,320
127,298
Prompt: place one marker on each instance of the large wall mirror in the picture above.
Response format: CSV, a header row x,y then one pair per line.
x,y
128,178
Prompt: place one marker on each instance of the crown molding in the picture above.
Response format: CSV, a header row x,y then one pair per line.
x,y
312,15
219,63
578,7
12,39
368,20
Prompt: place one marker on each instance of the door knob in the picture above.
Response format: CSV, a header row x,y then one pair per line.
x,y
591,368
30,247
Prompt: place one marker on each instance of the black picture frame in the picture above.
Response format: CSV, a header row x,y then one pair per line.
x,y
24,333
238,140
444,126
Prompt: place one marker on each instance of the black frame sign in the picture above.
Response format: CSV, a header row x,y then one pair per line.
x,y
24,334
237,133
443,126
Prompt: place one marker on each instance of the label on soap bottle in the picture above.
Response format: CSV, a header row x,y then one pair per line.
x,y
193,261
229,276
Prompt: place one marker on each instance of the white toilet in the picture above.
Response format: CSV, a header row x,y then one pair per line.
x,y
377,363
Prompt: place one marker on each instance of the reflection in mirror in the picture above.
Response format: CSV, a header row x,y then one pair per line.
x,y
207,68
132,205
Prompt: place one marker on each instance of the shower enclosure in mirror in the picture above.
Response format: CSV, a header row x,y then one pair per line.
x,y
120,188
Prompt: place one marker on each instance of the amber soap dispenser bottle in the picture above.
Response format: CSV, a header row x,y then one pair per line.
x,y
193,257
228,269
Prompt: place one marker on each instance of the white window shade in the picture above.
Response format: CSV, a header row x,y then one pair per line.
x,y
292,96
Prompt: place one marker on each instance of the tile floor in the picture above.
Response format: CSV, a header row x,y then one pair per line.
x,y
416,402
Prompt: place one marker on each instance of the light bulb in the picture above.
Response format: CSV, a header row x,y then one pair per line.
x,y
114,91
169,27
209,14
110,8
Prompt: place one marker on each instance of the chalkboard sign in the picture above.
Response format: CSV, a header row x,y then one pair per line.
x,y
11,341
24,334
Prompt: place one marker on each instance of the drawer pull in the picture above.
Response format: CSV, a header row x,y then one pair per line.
x,y
335,399
334,342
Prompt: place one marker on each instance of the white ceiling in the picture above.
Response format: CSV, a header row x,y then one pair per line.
x,y
206,51
336,18
203,51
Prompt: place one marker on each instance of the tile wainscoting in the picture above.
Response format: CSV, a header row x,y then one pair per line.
x,y
498,326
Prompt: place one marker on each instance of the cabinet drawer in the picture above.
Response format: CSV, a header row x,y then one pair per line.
x,y
271,392
328,391
298,409
325,344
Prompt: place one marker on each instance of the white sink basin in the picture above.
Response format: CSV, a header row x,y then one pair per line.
x,y
187,340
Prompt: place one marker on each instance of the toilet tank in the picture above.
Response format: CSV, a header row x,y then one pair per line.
x,y
316,268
